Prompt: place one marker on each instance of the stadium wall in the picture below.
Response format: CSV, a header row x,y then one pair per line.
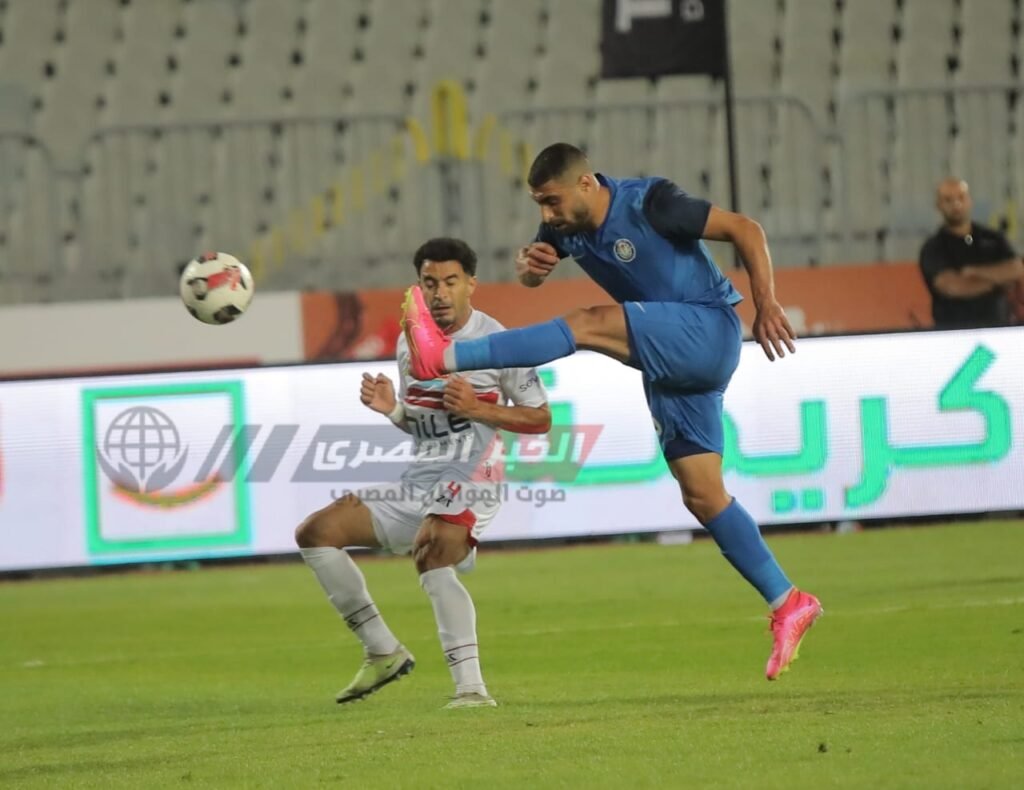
x,y
134,334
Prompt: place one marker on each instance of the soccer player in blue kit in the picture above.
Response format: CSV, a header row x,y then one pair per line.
x,y
640,240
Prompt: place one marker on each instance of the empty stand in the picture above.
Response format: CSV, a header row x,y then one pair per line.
x,y
141,131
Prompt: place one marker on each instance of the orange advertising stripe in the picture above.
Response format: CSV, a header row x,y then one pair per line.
x,y
839,299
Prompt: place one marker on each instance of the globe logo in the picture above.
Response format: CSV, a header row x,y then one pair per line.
x,y
142,451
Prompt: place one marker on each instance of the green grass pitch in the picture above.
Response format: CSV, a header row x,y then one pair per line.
x,y
615,666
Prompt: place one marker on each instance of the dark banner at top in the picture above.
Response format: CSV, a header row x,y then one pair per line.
x,y
647,38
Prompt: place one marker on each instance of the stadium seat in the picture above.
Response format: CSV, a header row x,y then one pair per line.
x,y
808,38
29,43
567,74
71,102
27,248
508,67
136,88
323,80
74,70
386,59
866,49
987,45
205,61
261,84
753,46
926,42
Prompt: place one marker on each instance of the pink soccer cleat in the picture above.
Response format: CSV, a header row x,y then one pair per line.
x,y
426,340
789,624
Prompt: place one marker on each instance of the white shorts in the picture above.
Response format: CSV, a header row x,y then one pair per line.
x,y
398,510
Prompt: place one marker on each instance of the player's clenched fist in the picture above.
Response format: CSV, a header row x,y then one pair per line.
x,y
377,392
536,260
460,397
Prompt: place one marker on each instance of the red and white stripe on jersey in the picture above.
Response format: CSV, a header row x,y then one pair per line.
x,y
434,398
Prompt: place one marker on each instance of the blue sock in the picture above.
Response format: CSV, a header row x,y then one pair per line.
x,y
516,348
738,537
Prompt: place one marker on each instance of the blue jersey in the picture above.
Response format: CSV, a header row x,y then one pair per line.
x,y
649,248
683,334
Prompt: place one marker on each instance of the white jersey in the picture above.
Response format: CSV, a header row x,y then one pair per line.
x,y
450,446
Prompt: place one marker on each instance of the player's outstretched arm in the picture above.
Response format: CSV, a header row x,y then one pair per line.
x,y
771,327
535,262
460,399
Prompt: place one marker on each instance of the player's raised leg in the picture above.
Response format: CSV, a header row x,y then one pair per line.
x,y
739,538
321,539
432,353
440,545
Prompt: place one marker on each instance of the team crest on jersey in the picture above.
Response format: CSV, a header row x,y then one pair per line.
x,y
624,250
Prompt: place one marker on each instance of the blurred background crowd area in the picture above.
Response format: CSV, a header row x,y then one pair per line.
x,y
323,140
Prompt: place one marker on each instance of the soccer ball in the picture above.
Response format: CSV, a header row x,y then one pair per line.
x,y
216,287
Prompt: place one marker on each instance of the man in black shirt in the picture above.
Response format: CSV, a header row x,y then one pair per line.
x,y
966,266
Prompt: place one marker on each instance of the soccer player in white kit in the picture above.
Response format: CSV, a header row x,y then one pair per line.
x,y
446,497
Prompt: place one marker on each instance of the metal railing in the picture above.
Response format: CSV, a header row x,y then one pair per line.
x,y
327,202
30,257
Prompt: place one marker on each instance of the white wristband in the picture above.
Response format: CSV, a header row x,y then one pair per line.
x,y
397,414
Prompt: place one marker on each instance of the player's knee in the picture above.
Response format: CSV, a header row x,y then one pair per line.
x,y
698,506
705,503
424,556
586,324
327,527
312,532
430,555
446,546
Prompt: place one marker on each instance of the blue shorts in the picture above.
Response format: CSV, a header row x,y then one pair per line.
x,y
687,353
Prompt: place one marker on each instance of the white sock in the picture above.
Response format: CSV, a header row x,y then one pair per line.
x,y
456,625
346,588
449,358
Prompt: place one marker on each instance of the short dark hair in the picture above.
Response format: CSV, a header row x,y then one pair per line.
x,y
553,162
445,248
